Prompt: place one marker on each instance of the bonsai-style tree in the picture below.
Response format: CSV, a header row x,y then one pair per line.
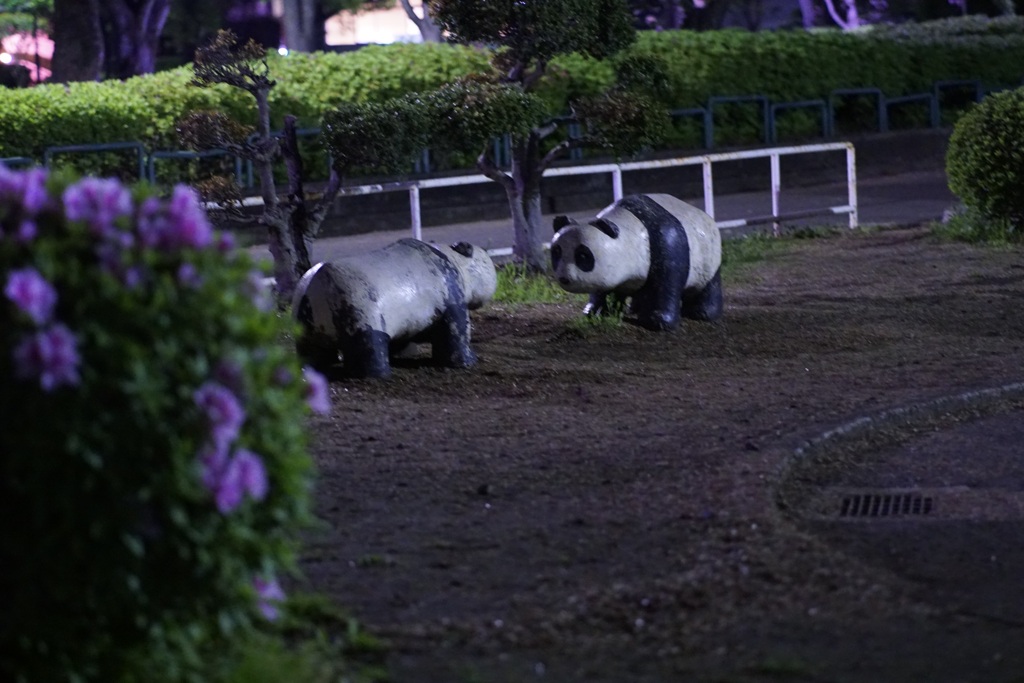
x,y
375,139
527,35
292,222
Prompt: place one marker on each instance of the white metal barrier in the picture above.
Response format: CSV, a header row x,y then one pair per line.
x,y
413,187
706,161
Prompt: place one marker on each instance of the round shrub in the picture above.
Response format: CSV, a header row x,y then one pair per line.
x,y
985,158
153,464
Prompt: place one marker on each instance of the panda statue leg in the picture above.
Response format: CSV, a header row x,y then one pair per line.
x,y
450,345
320,358
657,307
605,303
707,303
365,354
597,304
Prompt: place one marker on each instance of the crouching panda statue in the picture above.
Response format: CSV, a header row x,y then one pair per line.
x,y
371,305
662,253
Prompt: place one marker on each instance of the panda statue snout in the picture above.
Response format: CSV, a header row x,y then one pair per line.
x,y
658,251
367,306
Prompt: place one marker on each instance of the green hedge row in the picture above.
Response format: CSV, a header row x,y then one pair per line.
x,y
785,66
788,66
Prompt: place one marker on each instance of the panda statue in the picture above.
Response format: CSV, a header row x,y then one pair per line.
x,y
661,253
371,305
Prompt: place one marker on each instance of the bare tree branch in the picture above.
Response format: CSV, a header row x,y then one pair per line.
x,y
487,167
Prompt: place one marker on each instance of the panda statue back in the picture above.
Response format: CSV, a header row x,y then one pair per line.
x,y
661,253
373,304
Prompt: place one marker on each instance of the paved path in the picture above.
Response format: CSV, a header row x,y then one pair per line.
x,y
900,198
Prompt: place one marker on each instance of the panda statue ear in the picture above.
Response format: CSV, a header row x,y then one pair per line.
x,y
562,221
607,227
463,248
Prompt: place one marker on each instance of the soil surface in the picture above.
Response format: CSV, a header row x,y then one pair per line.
x,y
597,503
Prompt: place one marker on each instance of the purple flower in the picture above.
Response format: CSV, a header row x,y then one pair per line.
x,y
252,475
225,242
283,376
230,374
133,277
28,188
189,277
317,396
258,288
213,462
32,294
189,226
150,223
231,480
269,594
34,196
223,410
97,201
27,230
51,355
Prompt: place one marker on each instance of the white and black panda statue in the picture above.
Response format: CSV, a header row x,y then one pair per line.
x,y
661,253
373,304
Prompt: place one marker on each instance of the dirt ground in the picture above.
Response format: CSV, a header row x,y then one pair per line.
x,y
611,504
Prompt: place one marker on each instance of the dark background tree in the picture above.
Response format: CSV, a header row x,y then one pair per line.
x,y
429,30
527,35
116,38
77,41
304,20
131,34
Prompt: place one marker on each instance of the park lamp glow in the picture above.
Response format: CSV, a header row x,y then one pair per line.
x,y
283,51
6,58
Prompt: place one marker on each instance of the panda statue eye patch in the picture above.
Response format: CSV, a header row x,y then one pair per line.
x,y
556,255
584,258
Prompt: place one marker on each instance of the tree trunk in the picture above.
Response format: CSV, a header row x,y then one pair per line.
x,y
852,18
301,32
133,29
78,41
808,13
528,247
524,200
429,30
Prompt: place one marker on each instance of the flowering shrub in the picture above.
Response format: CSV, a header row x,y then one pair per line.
x,y
153,466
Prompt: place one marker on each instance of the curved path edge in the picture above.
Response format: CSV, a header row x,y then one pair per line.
x,y
943,412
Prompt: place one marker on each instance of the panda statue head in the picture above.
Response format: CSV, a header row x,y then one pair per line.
x,y
476,270
598,256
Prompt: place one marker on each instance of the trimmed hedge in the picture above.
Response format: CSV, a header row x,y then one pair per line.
x,y
785,66
985,160
789,66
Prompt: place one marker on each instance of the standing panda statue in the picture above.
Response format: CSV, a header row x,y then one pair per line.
x,y
662,253
373,304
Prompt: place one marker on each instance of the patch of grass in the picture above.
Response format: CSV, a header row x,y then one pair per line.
x,y
740,252
971,226
376,561
586,324
812,232
781,667
519,285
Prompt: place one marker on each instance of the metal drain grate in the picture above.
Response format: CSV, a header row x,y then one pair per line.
x,y
885,505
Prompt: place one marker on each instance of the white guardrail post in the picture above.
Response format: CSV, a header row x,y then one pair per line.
x,y
851,184
414,207
709,187
776,187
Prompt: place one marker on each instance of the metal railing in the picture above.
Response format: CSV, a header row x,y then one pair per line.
x,y
706,161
